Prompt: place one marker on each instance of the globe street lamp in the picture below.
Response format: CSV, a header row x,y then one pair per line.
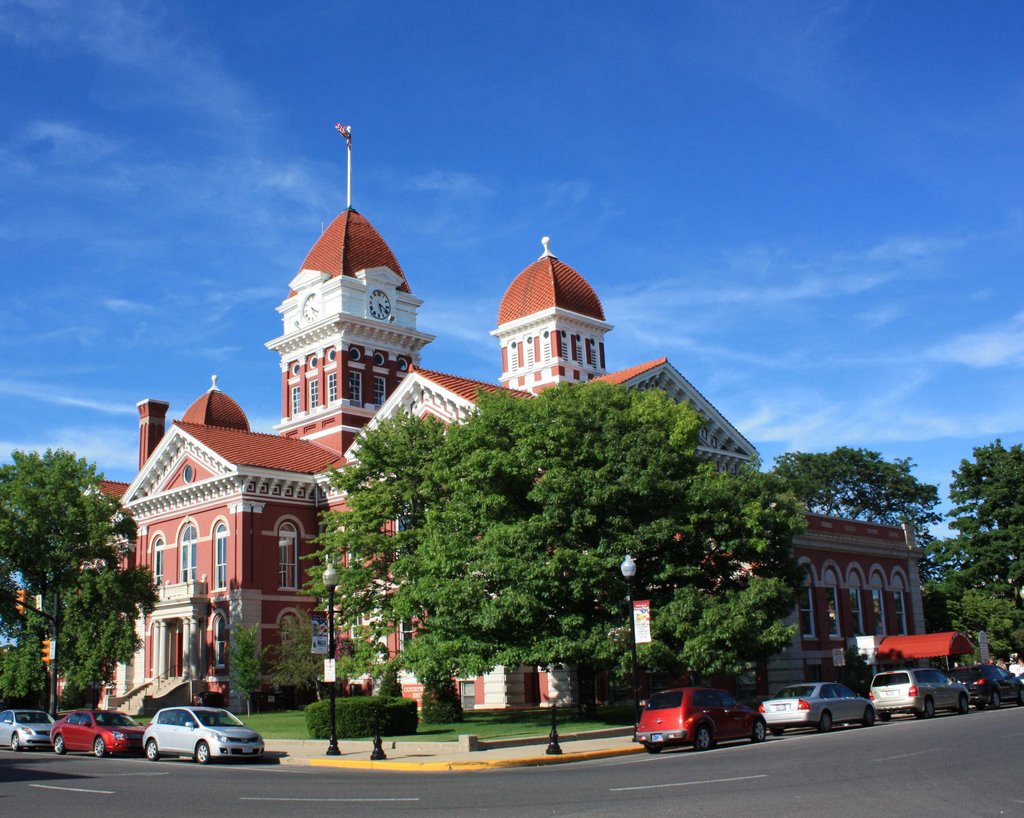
x,y
628,568
330,583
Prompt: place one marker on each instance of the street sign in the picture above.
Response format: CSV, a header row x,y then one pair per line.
x,y
329,671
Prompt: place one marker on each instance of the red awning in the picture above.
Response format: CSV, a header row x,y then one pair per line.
x,y
923,646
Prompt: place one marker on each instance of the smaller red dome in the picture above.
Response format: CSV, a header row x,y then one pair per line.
x,y
548,282
214,408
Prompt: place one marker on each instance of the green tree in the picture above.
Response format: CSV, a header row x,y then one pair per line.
x,y
291,663
860,485
64,539
245,662
520,564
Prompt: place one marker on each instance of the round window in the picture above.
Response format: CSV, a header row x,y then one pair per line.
x,y
403,364
295,369
331,355
378,358
312,362
354,353
188,474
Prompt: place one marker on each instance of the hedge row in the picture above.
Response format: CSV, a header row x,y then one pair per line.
x,y
355,715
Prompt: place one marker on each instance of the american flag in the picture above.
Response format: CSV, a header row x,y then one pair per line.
x,y
345,131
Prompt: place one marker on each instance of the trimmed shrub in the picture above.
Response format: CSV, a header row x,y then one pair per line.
x,y
388,685
441,705
354,717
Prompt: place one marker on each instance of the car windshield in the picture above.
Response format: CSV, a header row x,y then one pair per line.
x,y
794,692
114,720
33,717
666,700
967,673
217,718
888,679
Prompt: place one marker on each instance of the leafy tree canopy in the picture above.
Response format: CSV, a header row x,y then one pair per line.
x,y
245,662
860,485
291,662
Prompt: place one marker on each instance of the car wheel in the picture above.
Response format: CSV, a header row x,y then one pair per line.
x,y
885,716
652,749
760,731
777,731
99,749
869,716
152,751
963,705
994,701
58,746
927,712
825,722
15,741
202,753
702,739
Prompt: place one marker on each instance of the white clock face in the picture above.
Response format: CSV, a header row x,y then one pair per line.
x,y
380,304
311,309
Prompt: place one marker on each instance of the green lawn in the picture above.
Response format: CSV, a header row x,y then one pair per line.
x,y
487,724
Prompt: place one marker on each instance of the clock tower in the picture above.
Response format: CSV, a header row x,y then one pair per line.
x,y
349,334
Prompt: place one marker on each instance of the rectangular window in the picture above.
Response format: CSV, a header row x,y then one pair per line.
x,y
563,345
807,613
578,352
332,387
379,390
546,348
314,394
901,610
529,352
856,612
296,400
287,546
188,561
221,568
832,609
355,387
158,566
879,611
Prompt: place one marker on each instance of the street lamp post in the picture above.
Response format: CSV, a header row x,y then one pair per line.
x,y
330,583
628,568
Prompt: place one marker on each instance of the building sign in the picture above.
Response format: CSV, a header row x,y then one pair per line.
x,y
329,671
321,642
838,657
642,620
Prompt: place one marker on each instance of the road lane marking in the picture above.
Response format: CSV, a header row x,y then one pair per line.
x,y
331,800
71,789
688,783
906,755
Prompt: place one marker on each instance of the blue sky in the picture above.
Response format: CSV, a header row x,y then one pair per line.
x,y
816,210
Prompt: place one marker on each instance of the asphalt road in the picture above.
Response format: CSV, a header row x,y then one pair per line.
x,y
951,765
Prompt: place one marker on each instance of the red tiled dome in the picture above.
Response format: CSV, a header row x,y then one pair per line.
x,y
214,408
350,244
548,283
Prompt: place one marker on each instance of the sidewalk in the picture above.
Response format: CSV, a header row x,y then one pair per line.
x,y
464,755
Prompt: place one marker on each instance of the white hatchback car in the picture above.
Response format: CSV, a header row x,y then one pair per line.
x,y
204,733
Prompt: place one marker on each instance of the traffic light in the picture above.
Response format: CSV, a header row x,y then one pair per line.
x,y
46,652
22,599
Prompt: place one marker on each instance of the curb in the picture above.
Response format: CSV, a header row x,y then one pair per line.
x,y
471,766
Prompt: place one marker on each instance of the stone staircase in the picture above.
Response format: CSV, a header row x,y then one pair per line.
x,y
149,697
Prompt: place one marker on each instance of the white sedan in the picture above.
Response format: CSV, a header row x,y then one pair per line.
x,y
23,728
815,704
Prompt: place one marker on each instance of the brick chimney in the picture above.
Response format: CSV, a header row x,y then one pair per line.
x,y
152,416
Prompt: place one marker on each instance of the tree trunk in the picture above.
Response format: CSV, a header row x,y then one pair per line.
x,y
586,677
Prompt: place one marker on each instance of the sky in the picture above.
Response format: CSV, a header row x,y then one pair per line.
x,y
814,209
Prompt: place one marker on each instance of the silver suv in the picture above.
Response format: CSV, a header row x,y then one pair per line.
x,y
205,733
917,690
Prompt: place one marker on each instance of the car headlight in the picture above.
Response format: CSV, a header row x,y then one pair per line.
x,y
118,735
221,739
28,731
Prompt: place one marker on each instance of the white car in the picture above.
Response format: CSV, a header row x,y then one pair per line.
x,y
22,728
204,733
815,704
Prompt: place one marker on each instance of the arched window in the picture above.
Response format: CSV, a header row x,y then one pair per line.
x,y
831,584
220,539
288,627
220,640
188,553
878,605
158,560
288,546
807,612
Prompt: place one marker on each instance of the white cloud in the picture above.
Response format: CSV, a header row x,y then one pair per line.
x,y
45,394
999,346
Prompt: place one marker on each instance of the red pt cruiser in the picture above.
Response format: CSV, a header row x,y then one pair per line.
x,y
700,716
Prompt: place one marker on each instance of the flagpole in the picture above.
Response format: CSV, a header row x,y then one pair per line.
x,y
348,179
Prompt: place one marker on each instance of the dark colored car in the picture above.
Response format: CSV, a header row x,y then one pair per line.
x,y
699,716
990,685
100,732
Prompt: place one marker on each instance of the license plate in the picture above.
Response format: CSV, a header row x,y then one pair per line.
x,y
655,736
890,693
778,707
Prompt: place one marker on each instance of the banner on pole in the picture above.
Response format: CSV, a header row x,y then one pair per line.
x,y
329,671
321,641
642,620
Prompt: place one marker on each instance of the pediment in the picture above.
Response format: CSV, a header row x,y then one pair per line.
x,y
165,470
307,278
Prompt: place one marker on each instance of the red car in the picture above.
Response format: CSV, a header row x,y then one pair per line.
x,y
700,716
99,732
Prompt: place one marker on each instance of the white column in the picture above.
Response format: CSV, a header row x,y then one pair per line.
x,y
160,646
186,648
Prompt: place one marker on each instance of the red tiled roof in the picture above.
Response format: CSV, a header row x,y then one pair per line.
x,y
245,448
466,387
351,244
624,375
546,283
113,487
923,646
214,408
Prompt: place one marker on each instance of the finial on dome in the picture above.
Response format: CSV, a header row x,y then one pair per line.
x,y
213,386
546,242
